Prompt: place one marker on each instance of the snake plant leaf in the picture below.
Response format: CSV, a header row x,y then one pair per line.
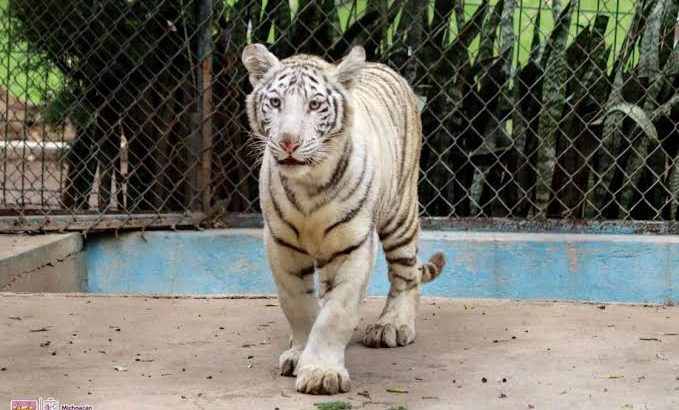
x,y
440,23
414,35
665,109
649,48
633,33
489,33
669,33
260,24
553,101
556,9
282,20
672,64
674,189
559,34
471,29
507,28
593,81
528,96
535,46
598,196
459,14
637,114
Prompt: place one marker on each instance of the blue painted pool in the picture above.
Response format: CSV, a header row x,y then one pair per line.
x,y
589,267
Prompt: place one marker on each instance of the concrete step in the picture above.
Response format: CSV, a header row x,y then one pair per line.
x,y
42,263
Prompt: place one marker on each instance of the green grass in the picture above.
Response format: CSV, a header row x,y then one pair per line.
x,y
26,75
333,405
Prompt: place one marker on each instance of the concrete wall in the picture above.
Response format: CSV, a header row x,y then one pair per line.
x,y
42,263
593,267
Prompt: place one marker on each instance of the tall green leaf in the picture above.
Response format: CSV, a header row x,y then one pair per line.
x,y
488,34
553,101
600,193
649,47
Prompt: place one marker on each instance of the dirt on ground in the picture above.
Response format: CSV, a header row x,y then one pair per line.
x,y
219,353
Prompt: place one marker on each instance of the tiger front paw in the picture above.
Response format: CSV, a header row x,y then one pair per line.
x,y
388,335
322,379
288,361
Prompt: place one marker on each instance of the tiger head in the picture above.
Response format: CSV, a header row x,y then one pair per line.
x,y
298,108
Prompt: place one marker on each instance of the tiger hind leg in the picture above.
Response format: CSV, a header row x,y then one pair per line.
x,y
396,324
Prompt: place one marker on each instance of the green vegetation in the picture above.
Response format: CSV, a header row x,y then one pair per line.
x,y
333,405
25,72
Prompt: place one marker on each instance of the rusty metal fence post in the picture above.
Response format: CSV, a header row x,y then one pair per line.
x,y
205,103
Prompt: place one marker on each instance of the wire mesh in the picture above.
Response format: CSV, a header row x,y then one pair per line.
x,y
128,114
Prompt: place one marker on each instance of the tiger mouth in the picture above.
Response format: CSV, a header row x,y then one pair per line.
x,y
291,161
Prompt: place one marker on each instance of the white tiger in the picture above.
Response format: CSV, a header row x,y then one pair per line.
x,y
339,172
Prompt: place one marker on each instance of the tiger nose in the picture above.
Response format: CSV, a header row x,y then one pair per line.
x,y
288,145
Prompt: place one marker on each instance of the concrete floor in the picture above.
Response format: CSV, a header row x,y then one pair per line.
x,y
222,353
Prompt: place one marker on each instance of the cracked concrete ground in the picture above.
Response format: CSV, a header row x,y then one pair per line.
x,y
202,353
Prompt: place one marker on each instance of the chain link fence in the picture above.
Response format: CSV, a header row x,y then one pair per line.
x,y
122,114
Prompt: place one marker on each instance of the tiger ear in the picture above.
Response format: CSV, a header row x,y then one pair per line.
x,y
348,71
258,61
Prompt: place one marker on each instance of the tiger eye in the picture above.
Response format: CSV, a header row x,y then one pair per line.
x,y
275,102
313,105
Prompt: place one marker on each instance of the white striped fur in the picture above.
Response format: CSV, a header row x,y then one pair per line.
x,y
351,183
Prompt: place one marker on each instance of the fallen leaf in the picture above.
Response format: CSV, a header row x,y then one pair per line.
x,y
120,368
271,304
396,390
365,393
15,317
42,329
650,339
610,376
